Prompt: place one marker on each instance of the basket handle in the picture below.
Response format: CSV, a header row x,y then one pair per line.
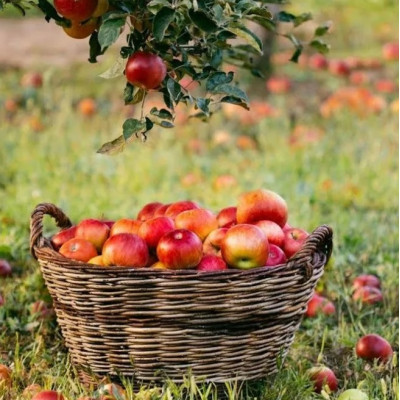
x,y
37,240
319,241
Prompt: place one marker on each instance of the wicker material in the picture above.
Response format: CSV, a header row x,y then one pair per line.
x,y
151,324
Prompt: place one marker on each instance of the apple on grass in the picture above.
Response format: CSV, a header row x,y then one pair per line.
x,y
273,232
48,395
152,230
63,236
366,280
261,204
323,376
1,300
111,391
245,246
93,230
276,256
78,249
353,394
126,225
227,217
125,250
319,305
5,373
199,220
180,249
5,268
31,390
211,262
372,346
368,295
294,240
212,243
147,211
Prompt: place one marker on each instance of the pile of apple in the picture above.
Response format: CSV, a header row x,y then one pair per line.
x,y
183,235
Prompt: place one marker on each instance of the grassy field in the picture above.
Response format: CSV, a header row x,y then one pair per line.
x,y
339,169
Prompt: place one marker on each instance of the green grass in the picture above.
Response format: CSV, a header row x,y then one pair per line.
x,y
348,179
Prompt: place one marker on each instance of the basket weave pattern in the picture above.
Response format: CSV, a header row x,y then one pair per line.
x,y
151,324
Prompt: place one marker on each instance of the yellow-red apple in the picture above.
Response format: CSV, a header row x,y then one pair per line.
x,y
63,236
245,246
152,230
227,217
198,220
125,225
78,249
176,208
273,232
212,243
294,240
147,211
261,204
93,230
48,395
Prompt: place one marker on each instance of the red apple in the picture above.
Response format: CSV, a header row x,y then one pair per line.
x,y
260,205
245,246
1,300
390,51
278,84
152,230
160,212
180,249
5,268
198,220
368,295
294,240
359,78
227,217
176,208
125,250
108,222
211,262
273,232
48,395
212,243
32,80
5,374
276,256
125,225
318,61
319,304
339,67
78,249
373,346
76,10
322,376
63,236
93,230
366,280
40,309
147,211
385,86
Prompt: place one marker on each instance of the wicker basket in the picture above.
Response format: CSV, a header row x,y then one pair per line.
x,y
150,324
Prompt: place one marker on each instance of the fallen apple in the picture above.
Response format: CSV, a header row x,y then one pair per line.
x,y
373,346
353,394
5,268
322,376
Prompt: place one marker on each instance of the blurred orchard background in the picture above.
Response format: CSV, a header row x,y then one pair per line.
x,y
323,133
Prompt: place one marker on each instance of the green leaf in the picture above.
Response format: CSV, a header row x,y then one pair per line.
x,y
117,69
230,90
266,23
203,105
284,16
235,100
203,21
320,46
323,29
174,90
161,22
260,12
218,78
299,19
132,127
296,55
163,113
246,34
114,147
95,48
155,5
109,31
